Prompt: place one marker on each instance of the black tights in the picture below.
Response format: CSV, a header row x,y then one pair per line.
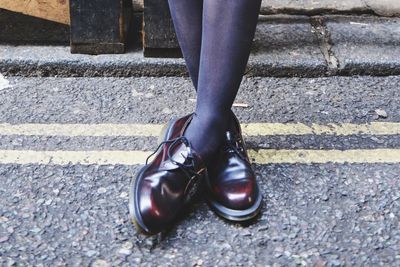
x,y
215,37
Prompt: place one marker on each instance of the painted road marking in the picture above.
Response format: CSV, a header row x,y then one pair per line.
x,y
73,157
73,130
269,156
263,156
249,129
373,128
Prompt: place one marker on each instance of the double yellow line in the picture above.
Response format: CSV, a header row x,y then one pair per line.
x,y
262,156
249,129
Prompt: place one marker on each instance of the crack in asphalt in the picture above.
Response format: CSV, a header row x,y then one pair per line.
x,y
325,44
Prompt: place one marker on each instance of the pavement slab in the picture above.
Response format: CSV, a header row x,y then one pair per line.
x,y
284,46
312,7
365,44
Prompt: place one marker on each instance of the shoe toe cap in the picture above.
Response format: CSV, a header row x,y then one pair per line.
x,y
157,205
237,195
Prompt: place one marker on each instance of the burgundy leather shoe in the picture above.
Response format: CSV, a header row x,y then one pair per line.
x,y
164,187
232,189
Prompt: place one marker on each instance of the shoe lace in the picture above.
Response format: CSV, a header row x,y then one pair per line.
x,y
233,146
187,168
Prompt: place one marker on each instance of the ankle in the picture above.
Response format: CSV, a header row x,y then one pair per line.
x,y
215,119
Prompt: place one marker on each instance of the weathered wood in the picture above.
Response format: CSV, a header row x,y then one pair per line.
x,y
159,38
98,27
138,5
54,10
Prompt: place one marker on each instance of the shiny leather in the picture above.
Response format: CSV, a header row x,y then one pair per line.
x,y
233,191
162,189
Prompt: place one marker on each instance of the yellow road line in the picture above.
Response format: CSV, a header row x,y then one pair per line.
x,y
268,156
72,157
373,128
249,129
72,130
264,156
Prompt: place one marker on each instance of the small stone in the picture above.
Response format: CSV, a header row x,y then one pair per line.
x,y
246,233
10,262
136,93
199,232
123,195
119,221
91,253
199,263
287,253
124,251
35,230
149,242
262,228
3,239
336,263
277,254
48,202
381,113
325,197
166,111
293,235
100,263
101,190
293,219
297,259
319,263
126,248
127,245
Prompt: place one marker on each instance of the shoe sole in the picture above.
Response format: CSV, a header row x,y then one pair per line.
x,y
236,215
134,214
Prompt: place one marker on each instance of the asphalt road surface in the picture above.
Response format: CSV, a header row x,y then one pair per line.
x,y
326,152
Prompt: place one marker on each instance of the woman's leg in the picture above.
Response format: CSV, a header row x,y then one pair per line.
x,y
227,33
187,17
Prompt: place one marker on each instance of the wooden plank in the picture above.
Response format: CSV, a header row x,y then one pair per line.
x,y
159,38
53,10
98,27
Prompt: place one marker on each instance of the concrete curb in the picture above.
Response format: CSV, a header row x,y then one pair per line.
x,y
311,7
386,8
284,46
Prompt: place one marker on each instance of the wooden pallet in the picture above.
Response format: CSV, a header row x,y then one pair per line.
x,y
53,10
159,39
97,27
